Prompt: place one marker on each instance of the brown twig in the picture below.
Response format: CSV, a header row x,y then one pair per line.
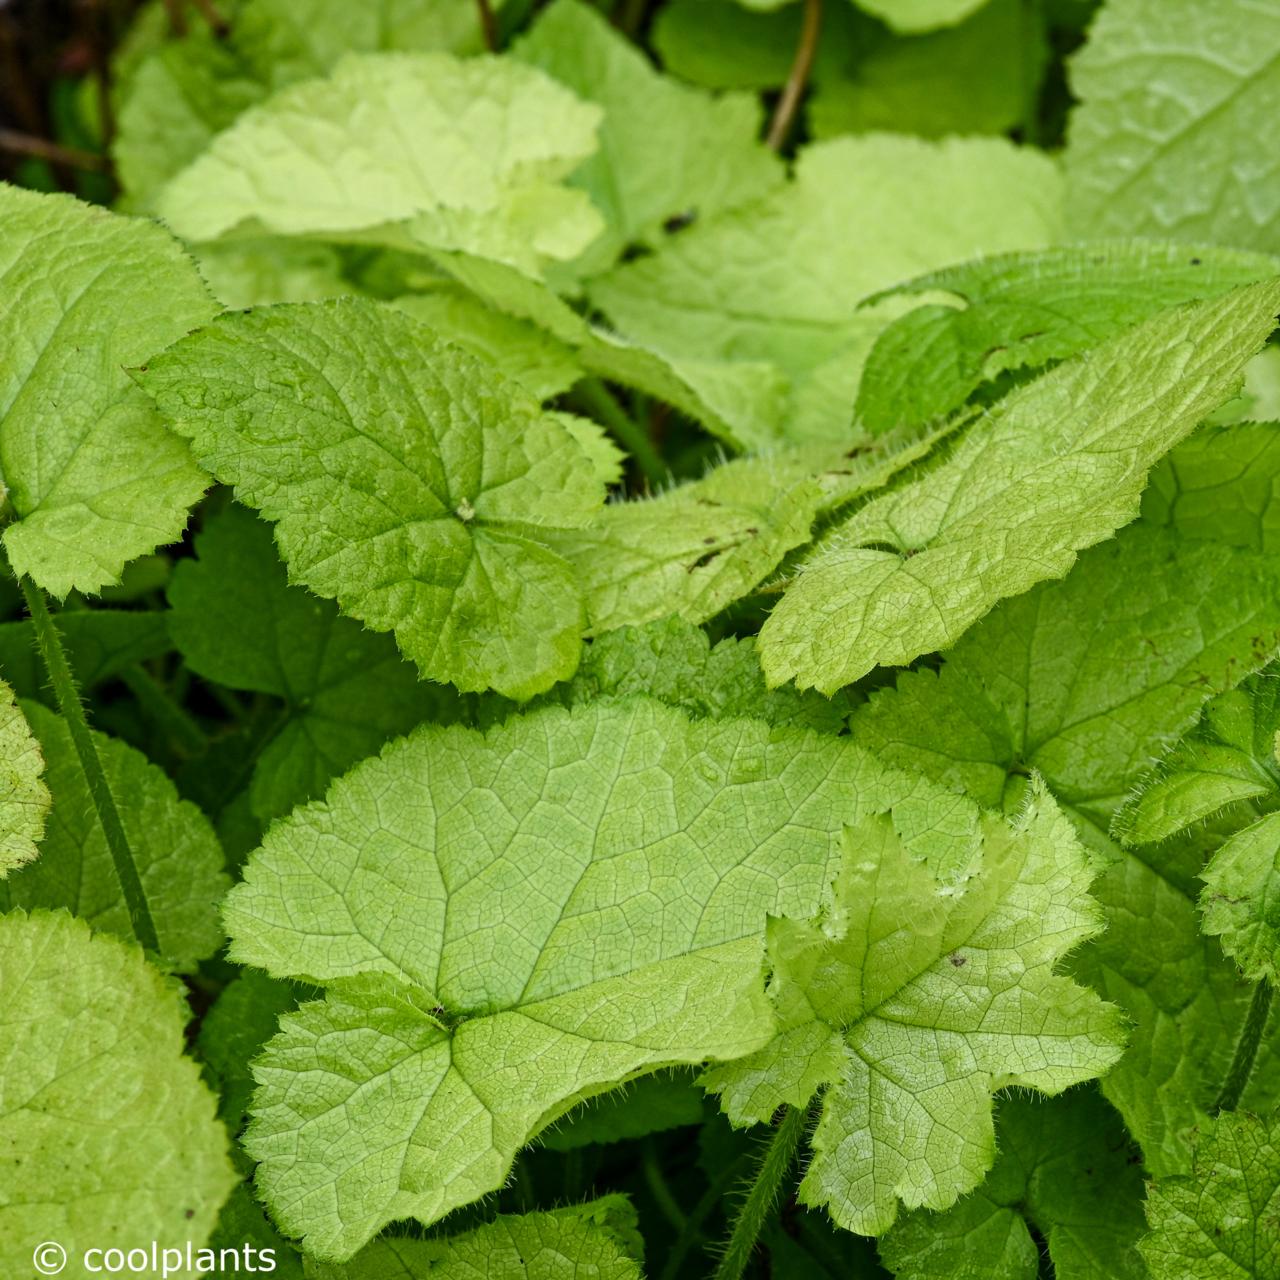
x,y
488,24
211,14
177,17
26,144
801,65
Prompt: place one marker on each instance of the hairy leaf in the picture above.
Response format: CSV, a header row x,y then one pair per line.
x,y
407,480
594,1239
405,150
107,1136
93,476
178,857
915,997
1025,310
24,797
511,923
1220,1220
1057,466
1066,1171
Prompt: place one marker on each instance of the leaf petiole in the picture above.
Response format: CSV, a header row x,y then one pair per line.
x,y
1246,1051
49,642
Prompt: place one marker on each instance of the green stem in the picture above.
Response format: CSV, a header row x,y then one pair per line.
x,y
64,687
658,1187
691,1232
593,396
1255,1023
778,1158
174,720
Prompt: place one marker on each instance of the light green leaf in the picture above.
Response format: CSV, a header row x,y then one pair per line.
x,y
407,480
1056,466
666,149
1021,311
93,476
920,15
1066,1171
1226,762
913,998
178,857
177,97
587,1240
235,620
1242,889
1174,97
107,1135
254,273
538,361
694,549
776,280
1085,681
977,76
405,150
675,662
508,924
741,402
24,797
1221,484
1219,1222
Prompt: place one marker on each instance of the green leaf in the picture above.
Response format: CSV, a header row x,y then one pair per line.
x,y
93,476
1066,1171
257,272
1242,888
652,1104
1174,97
509,924
177,97
1220,1220
406,150
719,44
975,77
1226,762
346,690
240,1021
407,480
538,361
107,1135
911,1028
665,149
1085,681
593,1239
1221,484
920,15
741,402
24,797
178,857
243,1221
1056,466
694,549
1022,311
675,662
100,643
775,280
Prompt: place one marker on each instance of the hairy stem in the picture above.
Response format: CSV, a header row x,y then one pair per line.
x,y
691,1233
488,25
1255,1023
784,113
762,1195
64,687
658,1188
596,399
